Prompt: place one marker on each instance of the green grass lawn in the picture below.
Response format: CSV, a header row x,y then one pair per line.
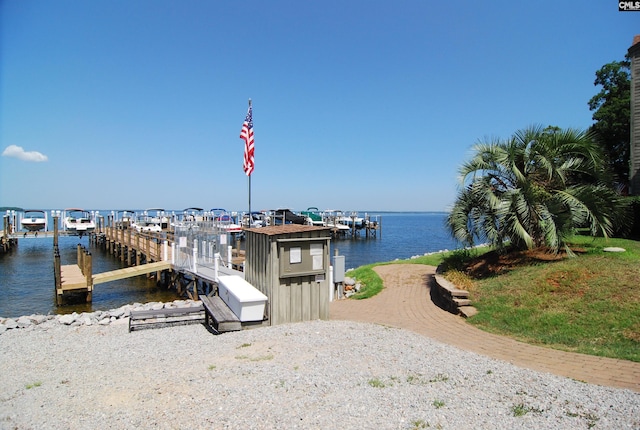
x,y
588,304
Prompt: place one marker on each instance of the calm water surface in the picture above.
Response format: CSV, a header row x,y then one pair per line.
x,y
26,273
403,235
27,284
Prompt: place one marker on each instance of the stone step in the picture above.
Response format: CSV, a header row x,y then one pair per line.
x,y
463,294
461,302
467,311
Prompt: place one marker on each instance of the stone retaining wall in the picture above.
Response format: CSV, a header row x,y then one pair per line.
x,y
452,298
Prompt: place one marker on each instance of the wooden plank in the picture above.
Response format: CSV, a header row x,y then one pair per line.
x,y
129,272
223,318
71,278
164,312
297,304
312,298
166,316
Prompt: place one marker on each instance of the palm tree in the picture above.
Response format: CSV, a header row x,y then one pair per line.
x,y
533,189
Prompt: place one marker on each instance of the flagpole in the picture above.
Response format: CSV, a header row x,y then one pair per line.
x,y
249,185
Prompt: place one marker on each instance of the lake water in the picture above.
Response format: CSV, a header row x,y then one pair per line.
x,y
402,235
26,272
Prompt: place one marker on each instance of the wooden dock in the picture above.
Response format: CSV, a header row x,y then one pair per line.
x,y
133,247
7,242
145,253
129,272
73,278
78,278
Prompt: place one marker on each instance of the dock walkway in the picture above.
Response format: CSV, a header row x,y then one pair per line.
x,y
72,277
129,272
144,253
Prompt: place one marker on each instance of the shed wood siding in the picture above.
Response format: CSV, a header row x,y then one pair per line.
x,y
291,299
634,174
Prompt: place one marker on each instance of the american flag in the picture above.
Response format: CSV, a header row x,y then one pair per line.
x,y
246,134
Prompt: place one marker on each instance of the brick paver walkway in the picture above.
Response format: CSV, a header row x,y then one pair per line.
x,y
405,303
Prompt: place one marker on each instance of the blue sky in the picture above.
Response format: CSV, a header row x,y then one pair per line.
x,y
357,105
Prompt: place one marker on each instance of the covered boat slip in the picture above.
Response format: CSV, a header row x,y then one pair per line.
x,y
34,220
78,221
20,222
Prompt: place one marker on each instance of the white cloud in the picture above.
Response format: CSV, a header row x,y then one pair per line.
x,y
18,152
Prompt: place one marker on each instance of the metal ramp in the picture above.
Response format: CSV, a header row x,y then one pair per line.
x,y
203,249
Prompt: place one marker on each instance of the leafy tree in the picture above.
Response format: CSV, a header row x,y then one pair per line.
x,y
612,113
533,189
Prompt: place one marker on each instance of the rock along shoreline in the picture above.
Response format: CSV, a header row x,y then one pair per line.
x,y
103,318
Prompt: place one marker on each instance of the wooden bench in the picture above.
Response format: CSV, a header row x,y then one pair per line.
x,y
166,316
219,316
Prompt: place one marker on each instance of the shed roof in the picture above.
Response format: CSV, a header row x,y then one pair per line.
x,y
273,230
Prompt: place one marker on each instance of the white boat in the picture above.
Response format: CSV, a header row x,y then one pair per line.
x,y
254,220
193,215
151,220
189,217
352,220
78,221
34,220
124,217
226,221
332,218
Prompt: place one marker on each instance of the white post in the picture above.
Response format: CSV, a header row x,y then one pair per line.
x,y
195,259
229,253
216,266
165,251
173,253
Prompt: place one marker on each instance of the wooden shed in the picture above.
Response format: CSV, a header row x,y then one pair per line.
x,y
290,265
